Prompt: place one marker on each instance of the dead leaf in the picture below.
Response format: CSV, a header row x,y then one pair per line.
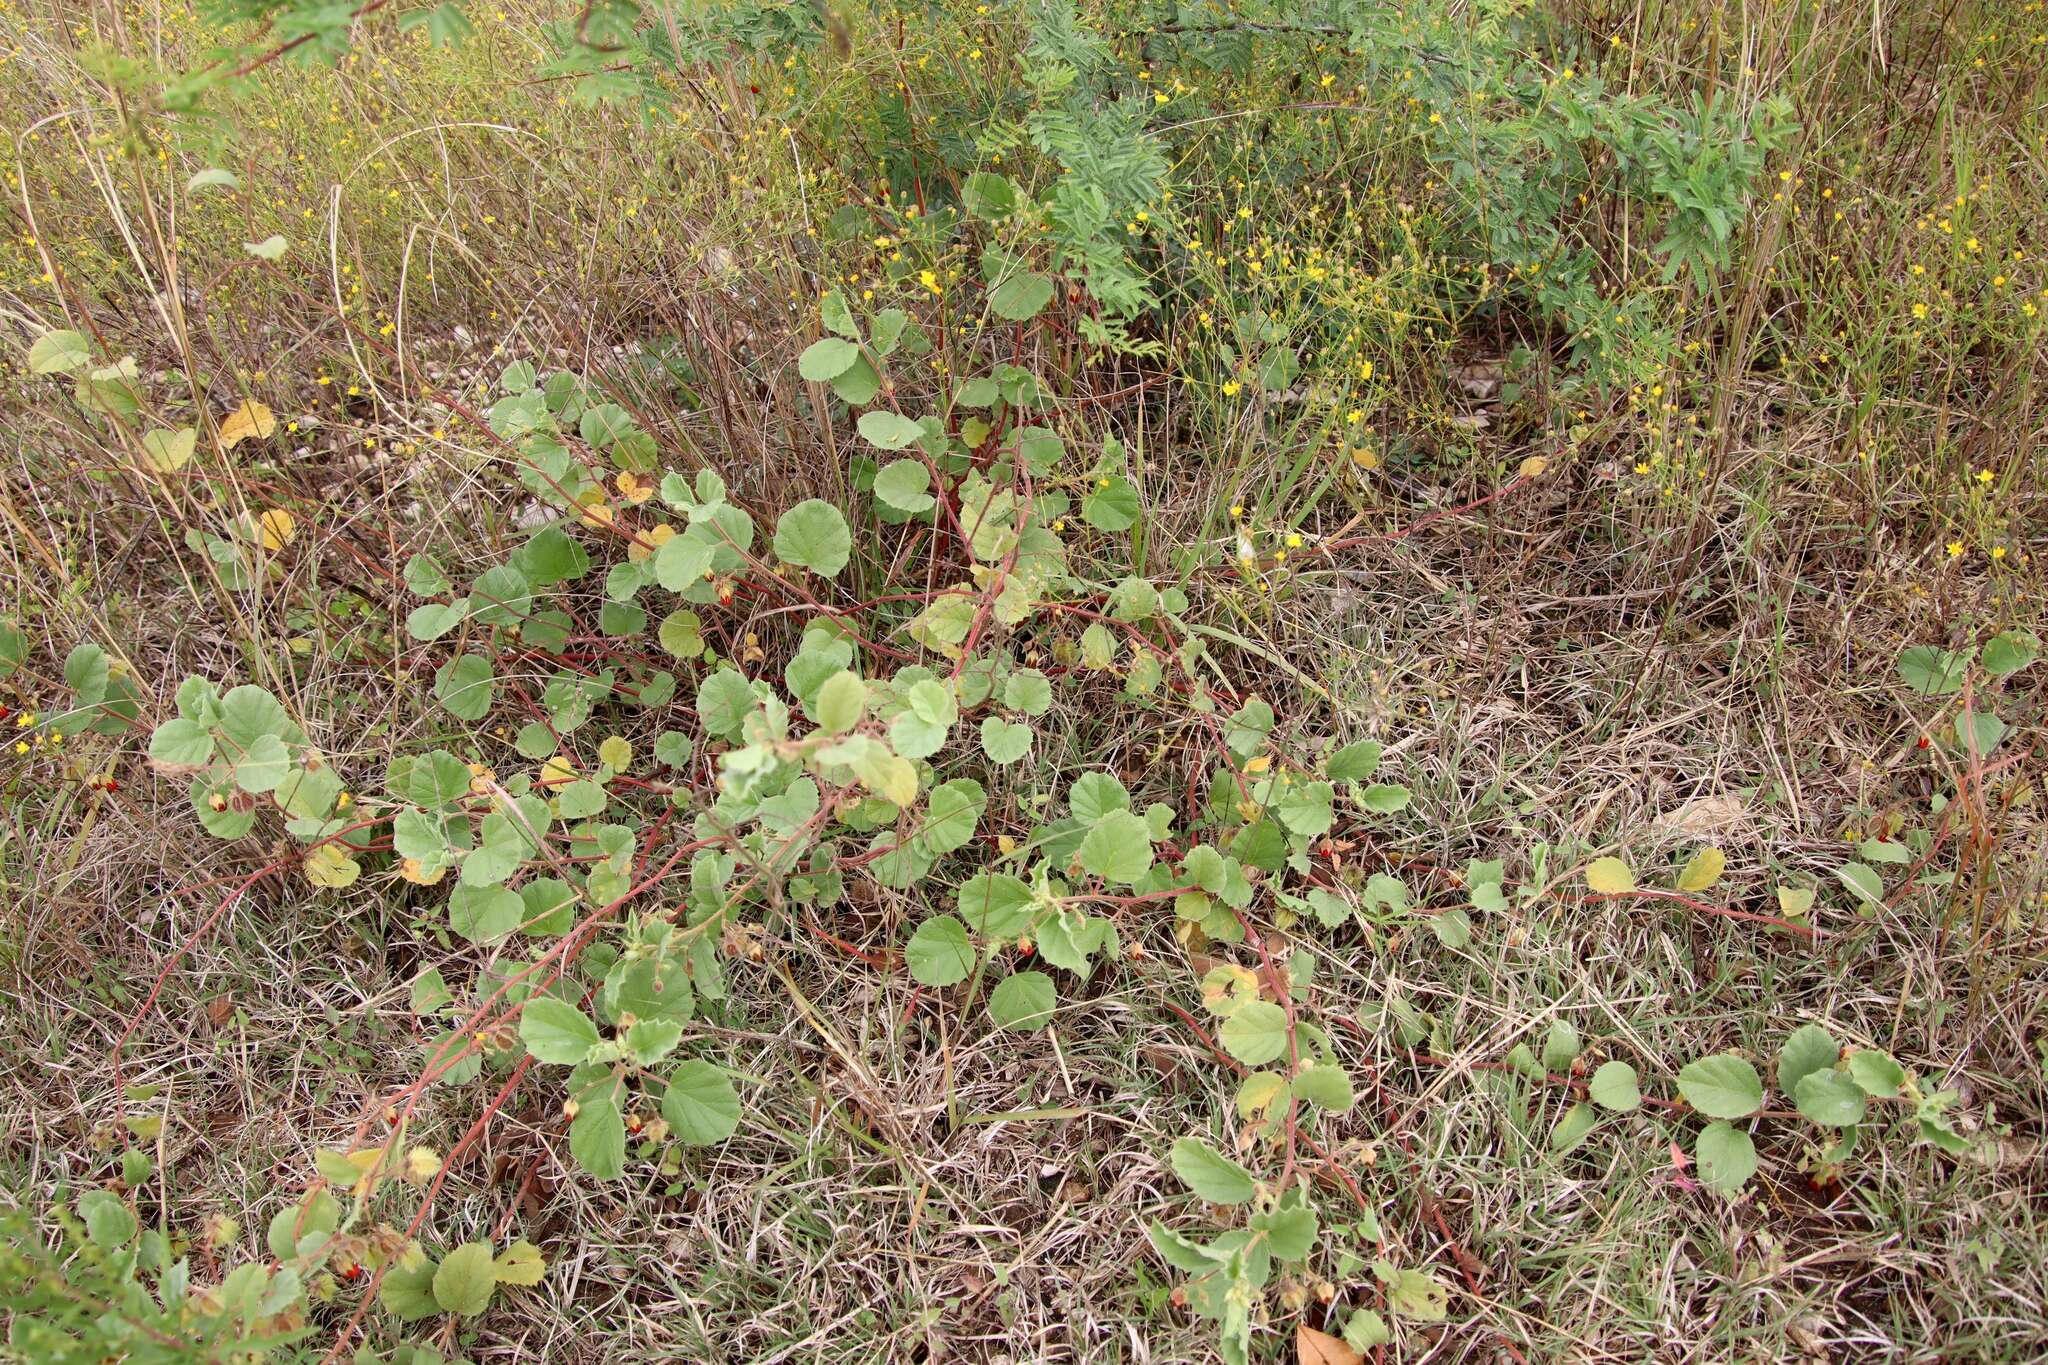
x,y
250,419
1706,815
219,1010
1320,1348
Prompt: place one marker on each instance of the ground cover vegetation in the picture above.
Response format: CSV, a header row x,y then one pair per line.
x,y
1023,681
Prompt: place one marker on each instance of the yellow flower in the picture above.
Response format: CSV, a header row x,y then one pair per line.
x,y
1955,549
930,280
1230,388
1998,552
1985,476
1237,509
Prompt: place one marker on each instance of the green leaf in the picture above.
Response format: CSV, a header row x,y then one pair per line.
x,y
1572,1127
1022,1001
1934,672
2010,651
841,699
1386,798
1877,1073
889,430
181,743
650,1040
1246,729
1610,877
108,1220
1290,1231
1021,297
939,954
555,1030
1830,1099
1326,1085
262,765
1863,881
484,914
466,686
1029,691
827,359
1111,504
1722,1087
269,249
466,1280
701,1107
58,352
409,1294
951,813
1727,1157
597,1138
724,700
1561,1045
988,196
995,904
1210,1174
1810,1048
1004,741
1354,762
902,484
1117,848
1614,1087
814,535
1256,1033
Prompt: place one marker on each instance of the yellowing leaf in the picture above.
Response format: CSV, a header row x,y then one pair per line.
x,y
250,419
615,753
278,527
415,872
1610,876
165,451
633,490
1795,900
1703,870
654,537
521,1263
1533,467
422,1164
328,866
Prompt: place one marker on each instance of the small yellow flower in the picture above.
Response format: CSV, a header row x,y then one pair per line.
x,y
1955,549
1230,389
1985,476
1998,552
1294,541
1237,509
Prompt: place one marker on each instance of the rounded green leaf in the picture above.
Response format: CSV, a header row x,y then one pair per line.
x,y
1004,741
841,699
1727,1157
58,352
902,484
889,430
701,1106
951,812
1811,1048
1722,1087
1614,1087
181,743
1830,1099
2010,651
827,359
814,534
1117,847
1029,691
1021,297
466,1279
939,953
1256,1032
1022,1001
1876,1072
